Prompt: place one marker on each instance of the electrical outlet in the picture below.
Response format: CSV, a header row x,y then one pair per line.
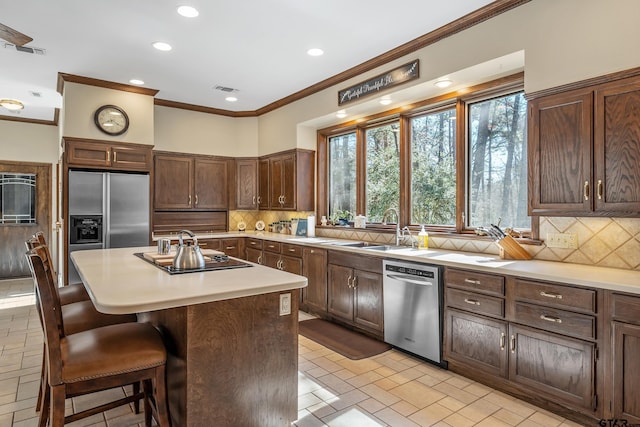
x,y
562,240
285,304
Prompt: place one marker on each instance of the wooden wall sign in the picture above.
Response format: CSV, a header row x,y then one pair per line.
x,y
374,85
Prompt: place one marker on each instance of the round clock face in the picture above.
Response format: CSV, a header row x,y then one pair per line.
x,y
111,120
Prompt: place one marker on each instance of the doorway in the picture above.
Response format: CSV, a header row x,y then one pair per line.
x,y
25,207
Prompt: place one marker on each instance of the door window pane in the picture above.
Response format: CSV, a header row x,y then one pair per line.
x,y
17,198
433,168
498,162
342,173
383,170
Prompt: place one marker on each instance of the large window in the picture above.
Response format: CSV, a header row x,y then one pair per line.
x,y
498,162
433,168
383,170
453,165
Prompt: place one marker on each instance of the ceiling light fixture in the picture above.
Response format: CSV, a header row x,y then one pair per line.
x,y
443,83
188,11
11,104
315,52
231,98
165,47
341,114
136,82
385,100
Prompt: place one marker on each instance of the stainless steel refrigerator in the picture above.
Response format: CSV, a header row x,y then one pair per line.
x,y
106,210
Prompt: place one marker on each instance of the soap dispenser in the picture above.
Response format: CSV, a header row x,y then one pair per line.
x,y
423,239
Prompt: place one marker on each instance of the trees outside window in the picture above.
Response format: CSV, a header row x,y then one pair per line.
x,y
342,173
433,168
383,170
498,162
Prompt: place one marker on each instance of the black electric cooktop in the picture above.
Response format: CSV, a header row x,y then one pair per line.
x,y
212,263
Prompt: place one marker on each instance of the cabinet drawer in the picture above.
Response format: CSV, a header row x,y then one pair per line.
x,y
230,247
625,308
272,247
292,250
214,244
551,294
556,320
254,243
477,303
481,282
357,261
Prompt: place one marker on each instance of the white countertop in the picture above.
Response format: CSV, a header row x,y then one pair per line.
x,y
575,274
119,282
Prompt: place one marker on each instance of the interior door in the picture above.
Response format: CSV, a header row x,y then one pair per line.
x,y
25,207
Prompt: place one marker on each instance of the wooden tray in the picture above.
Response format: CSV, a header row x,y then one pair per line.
x,y
167,259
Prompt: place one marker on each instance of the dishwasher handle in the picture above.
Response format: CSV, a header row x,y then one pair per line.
x,y
414,280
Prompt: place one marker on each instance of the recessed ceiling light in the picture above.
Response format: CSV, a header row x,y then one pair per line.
x,y
231,98
385,100
315,52
136,82
188,11
341,114
443,83
11,104
162,46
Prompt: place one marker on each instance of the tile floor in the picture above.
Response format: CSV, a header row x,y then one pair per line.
x,y
391,389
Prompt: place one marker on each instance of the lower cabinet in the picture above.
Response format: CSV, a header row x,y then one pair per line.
x,y
283,256
314,268
355,291
231,247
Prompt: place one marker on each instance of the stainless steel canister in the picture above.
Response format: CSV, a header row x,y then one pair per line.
x,y
164,246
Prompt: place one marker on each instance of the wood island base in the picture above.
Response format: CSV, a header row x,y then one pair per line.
x,y
232,362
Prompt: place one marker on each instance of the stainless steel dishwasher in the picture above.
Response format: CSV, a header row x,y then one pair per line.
x,y
412,296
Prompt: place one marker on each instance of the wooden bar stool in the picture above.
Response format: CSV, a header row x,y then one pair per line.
x,y
73,292
96,359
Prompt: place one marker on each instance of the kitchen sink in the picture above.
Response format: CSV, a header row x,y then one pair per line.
x,y
385,248
365,245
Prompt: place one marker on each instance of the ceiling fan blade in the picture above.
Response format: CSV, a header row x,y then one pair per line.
x,y
13,36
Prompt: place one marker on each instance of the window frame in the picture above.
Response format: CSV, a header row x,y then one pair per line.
x,y
459,100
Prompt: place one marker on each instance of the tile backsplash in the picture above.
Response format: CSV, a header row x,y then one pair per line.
x,y
605,242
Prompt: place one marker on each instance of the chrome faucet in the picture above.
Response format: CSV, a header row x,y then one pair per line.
x,y
384,222
408,230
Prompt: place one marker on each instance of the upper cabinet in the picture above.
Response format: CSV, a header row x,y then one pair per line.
x,y
287,181
107,155
584,151
190,182
247,184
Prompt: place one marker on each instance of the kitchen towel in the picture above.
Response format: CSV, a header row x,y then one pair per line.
x,y
311,226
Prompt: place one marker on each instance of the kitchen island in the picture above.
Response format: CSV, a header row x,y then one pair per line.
x,y
232,358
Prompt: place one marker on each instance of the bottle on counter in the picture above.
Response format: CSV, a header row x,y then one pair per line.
x,y
423,239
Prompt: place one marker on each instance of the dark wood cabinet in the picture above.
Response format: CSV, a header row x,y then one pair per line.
x,y
354,290
247,184
476,341
287,181
625,352
525,335
190,183
314,268
553,364
584,151
107,155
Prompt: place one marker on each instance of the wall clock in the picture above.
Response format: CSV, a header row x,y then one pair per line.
x,y
111,120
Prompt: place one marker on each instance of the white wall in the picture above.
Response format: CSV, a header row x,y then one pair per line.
x,y
81,101
202,133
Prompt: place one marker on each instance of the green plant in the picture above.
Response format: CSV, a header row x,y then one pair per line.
x,y
341,214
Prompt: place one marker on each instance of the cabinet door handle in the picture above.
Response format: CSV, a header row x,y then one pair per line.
x,y
349,282
503,338
254,200
281,264
196,200
600,189
260,259
585,189
551,295
472,301
271,246
189,199
551,318
107,156
115,157
259,199
230,247
202,245
472,281
354,282
513,344
291,250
